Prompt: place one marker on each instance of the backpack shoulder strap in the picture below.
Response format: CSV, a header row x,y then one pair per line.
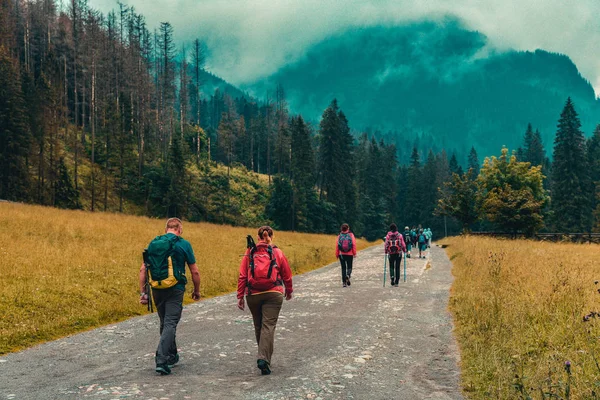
x,y
273,261
251,260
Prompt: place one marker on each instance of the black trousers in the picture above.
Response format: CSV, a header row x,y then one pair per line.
x,y
169,304
346,262
395,267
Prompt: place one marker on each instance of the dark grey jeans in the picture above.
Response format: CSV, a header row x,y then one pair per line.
x,y
169,304
346,263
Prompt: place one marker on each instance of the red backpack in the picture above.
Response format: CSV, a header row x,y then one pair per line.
x,y
263,269
394,243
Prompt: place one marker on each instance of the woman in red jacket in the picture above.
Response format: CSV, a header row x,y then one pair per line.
x,y
346,251
265,276
394,247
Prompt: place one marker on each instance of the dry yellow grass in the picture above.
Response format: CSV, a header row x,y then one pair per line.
x,y
65,271
518,308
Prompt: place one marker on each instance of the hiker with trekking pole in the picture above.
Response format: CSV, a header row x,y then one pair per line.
x,y
162,278
394,247
346,251
265,279
407,242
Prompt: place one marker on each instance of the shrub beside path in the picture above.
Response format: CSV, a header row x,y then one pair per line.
x,y
361,342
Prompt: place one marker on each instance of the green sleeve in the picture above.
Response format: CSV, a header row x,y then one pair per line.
x,y
189,254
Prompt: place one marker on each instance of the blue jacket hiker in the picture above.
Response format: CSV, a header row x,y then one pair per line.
x,y
422,242
163,270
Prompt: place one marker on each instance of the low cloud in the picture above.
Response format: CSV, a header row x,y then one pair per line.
x,y
250,39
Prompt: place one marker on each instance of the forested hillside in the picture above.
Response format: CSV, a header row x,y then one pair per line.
x,y
107,114
437,85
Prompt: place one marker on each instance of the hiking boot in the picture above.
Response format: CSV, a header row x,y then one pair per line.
x,y
344,285
263,365
163,369
173,360
348,280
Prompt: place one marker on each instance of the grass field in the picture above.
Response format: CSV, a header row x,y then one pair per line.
x,y
66,271
518,307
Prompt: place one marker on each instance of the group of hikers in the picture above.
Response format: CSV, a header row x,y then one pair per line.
x,y
265,279
397,243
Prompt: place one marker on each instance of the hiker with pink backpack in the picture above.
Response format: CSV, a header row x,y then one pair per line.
x,y
346,251
265,278
394,247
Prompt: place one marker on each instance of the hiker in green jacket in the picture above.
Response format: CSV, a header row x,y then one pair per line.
x,y
164,268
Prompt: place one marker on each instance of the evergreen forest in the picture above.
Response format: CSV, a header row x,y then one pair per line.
x,y
105,113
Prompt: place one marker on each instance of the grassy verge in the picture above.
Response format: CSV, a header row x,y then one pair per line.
x,y
66,271
518,308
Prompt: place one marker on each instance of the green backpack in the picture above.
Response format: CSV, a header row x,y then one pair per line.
x,y
158,258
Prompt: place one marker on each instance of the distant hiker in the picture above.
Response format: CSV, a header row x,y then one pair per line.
x,y
422,242
394,247
428,234
264,274
407,241
413,236
164,268
346,251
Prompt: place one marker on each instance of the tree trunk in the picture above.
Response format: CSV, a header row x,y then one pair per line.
x,y
93,125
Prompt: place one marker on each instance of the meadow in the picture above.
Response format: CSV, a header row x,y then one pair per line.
x,y
65,271
519,309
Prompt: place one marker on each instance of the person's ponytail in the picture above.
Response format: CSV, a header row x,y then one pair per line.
x,y
265,232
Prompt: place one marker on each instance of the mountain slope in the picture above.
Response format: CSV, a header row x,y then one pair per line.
x,y
438,79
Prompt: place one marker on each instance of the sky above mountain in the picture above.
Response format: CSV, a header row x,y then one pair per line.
x,y
250,39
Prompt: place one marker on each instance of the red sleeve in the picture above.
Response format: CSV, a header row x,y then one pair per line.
x,y
243,279
402,244
353,244
337,250
285,271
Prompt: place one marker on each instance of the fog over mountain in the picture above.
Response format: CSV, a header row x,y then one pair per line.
x,y
251,39
456,74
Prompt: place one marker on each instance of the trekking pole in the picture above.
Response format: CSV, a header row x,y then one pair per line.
x,y
384,268
147,285
404,267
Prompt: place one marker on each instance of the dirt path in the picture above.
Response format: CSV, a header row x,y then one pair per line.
x,y
361,342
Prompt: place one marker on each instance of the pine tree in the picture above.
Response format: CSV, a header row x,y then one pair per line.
x,y
66,194
473,162
414,190
571,195
303,175
15,137
453,165
176,194
430,189
278,209
533,148
335,159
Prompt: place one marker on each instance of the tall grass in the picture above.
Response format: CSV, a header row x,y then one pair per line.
x,y
65,271
519,308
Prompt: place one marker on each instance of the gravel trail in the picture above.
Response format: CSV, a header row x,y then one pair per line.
x,y
360,342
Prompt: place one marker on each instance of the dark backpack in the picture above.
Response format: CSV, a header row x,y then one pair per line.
x,y
394,243
407,237
159,262
263,269
345,242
